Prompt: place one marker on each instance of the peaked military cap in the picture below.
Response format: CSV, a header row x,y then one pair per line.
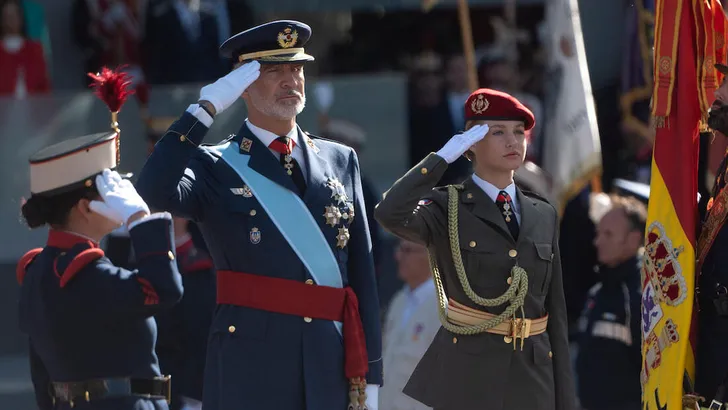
x,y
276,42
73,163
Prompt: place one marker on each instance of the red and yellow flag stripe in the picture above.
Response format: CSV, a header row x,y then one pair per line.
x,y
680,99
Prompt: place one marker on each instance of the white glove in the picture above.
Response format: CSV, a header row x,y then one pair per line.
x,y
120,198
372,391
460,143
226,90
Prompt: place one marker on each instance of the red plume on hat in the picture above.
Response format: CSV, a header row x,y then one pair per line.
x,y
112,87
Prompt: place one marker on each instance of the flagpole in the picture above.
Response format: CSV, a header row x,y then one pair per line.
x,y
466,31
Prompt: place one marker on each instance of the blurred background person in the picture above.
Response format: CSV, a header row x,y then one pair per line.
x,y
23,68
410,325
609,358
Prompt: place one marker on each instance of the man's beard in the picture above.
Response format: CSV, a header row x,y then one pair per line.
x,y
285,109
718,118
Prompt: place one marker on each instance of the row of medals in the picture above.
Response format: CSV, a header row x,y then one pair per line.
x,y
335,213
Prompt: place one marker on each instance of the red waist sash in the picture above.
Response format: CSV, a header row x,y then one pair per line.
x,y
306,300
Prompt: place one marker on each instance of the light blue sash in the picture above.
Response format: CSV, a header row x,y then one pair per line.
x,y
292,218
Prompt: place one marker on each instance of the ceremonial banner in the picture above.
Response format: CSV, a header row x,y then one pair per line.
x,y
637,68
668,281
572,150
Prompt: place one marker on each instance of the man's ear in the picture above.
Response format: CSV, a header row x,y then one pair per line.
x,y
84,207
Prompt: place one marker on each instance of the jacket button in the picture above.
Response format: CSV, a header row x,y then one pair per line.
x,y
309,281
509,280
551,354
253,212
423,171
231,329
507,339
472,244
454,339
171,255
513,253
307,319
182,138
469,195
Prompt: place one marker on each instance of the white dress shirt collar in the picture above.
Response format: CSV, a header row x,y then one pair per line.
x,y
492,191
266,137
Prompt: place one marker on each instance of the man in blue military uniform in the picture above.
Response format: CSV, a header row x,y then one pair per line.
x,y
89,322
297,324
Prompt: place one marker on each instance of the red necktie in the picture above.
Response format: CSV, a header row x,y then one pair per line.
x,y
284,146
505,204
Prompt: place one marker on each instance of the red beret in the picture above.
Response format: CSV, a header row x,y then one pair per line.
x,y
487,104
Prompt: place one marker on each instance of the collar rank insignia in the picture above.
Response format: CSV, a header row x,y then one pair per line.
x,y
311,144
337,190
342,238
333,215
246,144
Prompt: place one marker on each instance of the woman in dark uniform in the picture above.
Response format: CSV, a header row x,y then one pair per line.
x,y
495,259
90,323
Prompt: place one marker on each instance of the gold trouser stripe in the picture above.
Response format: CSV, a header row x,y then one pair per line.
x,y
462,315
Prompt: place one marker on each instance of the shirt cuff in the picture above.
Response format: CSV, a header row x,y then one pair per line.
x,y
372,392
157,215
200,114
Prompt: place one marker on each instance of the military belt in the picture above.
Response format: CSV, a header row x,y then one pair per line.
x,y
459,314
95,389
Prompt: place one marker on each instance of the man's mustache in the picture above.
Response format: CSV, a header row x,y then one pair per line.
x,y
290,93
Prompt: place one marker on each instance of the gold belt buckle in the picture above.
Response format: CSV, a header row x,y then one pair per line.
x,y
167,380
520,328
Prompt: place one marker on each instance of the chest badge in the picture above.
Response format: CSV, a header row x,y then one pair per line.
x,y
343,237
333,215
337,190
255,236
244,191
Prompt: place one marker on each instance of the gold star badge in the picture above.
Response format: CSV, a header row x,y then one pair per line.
x,y
332,215
342,238
337,190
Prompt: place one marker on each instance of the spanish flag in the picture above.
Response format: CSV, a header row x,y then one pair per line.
x,y
684,82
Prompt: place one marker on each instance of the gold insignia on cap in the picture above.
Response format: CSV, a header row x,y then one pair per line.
x,y
479,104
287,38
246,144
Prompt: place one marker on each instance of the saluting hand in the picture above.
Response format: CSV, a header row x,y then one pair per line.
x,y
460,143
226,90
121,201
